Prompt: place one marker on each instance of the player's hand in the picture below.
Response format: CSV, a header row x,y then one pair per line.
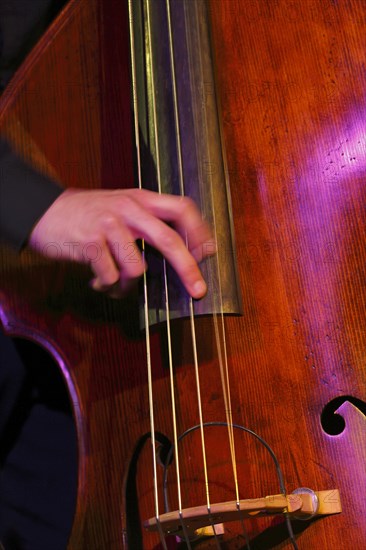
x,y
100,227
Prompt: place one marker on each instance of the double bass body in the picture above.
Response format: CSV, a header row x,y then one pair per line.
x,y
291,86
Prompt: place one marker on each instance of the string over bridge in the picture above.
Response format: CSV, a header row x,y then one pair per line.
x,y
302,504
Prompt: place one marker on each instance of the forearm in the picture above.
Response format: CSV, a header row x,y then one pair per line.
x,y
25,195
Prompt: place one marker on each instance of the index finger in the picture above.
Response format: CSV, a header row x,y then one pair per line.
x,y
186,217
170,244
172,247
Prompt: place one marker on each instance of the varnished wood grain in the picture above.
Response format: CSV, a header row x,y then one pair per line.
x,y
292,82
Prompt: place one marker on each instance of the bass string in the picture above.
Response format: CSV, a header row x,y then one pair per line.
x,y
145,286
191,306
166,287
191,312
165,275
220,339
219,325
218,318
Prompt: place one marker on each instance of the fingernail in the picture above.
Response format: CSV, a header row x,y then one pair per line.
x,y
95,284
199,289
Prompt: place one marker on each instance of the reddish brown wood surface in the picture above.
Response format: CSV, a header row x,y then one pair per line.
x,y
292,84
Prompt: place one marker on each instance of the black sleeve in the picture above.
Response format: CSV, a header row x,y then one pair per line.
x,y
25,195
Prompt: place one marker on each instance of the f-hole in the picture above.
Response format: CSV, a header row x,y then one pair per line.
x,y
332,422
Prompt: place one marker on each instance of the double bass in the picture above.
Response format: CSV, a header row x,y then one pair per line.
x,y
238,421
